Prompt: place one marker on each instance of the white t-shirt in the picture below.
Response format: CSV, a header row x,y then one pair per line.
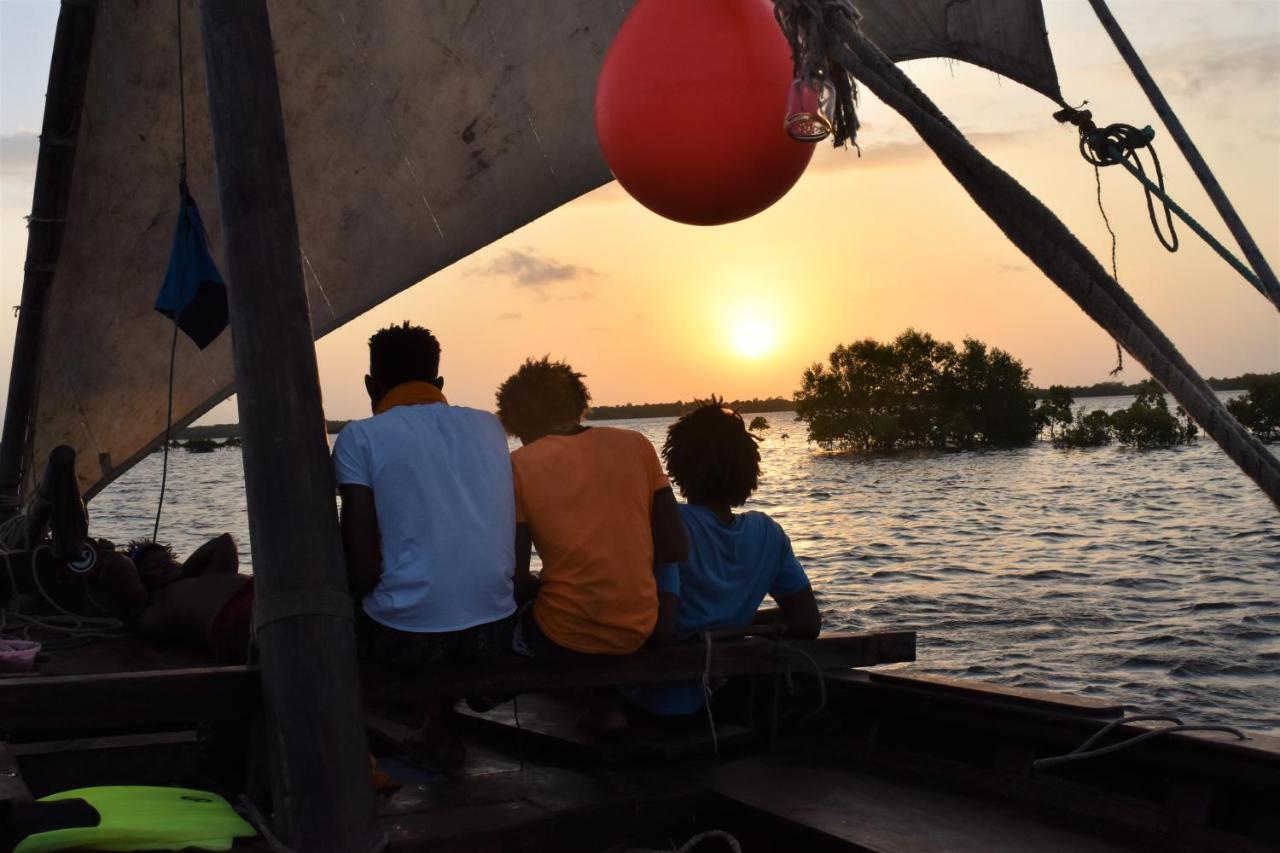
x,y
441,481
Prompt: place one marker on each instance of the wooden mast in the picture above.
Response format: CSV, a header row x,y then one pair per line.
x,y
64,98
1189,150
302,614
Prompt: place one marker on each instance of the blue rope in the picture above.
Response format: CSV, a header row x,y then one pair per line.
x,y
1119,144
1195,226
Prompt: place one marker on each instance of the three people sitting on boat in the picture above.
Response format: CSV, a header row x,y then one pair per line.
x,y
597,505
439,523
428,519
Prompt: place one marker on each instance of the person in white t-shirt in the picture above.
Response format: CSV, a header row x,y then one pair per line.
x,y
428,522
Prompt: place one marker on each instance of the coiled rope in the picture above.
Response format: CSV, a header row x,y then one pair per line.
x,y
1083,751
1118,145
74,628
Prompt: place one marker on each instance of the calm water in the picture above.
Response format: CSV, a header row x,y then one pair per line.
x,y
1150,578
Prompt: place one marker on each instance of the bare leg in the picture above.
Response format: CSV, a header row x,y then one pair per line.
x,y
437,743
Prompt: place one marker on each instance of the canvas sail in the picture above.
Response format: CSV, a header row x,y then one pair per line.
x,y
418,133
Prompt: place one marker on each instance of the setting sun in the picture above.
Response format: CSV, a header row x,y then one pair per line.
x,y
753,338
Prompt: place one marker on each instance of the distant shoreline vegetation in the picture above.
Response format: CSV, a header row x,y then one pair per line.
x,y
782,404
628,411
680,407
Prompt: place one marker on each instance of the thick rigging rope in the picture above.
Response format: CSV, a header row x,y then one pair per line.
x,y
1042,237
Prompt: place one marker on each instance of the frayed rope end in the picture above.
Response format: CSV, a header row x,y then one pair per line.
x,y
813,28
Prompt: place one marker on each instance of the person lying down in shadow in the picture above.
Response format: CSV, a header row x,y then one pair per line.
x,y
201,601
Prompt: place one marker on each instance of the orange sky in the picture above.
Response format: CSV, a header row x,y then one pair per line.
x,y
863,247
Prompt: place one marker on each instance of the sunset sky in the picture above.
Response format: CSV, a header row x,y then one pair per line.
x,y
862,247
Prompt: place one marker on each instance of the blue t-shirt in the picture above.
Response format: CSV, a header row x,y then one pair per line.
x,y
730,569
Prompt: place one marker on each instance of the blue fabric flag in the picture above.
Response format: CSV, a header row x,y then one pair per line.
x,y
193,294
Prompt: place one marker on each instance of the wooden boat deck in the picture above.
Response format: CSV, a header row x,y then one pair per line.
x,y
775,803
125,654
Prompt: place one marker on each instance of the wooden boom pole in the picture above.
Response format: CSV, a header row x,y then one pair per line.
x,y
1189,150
64,98
302,613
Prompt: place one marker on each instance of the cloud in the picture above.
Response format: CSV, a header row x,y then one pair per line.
x,y
879,154
1220,66
526,269
18,151
510,315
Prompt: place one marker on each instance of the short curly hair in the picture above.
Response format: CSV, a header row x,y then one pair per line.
x,y
540,396
404,353
712,456
138,549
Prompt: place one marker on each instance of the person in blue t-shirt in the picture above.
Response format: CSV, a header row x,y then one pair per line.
x,y
735,559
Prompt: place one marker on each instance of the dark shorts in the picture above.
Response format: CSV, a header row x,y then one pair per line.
x,y
529,640
408,651
232,629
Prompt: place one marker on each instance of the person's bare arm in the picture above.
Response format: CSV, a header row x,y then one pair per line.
x,y
526,584
218,556
670,541
360,542
664,632
795,616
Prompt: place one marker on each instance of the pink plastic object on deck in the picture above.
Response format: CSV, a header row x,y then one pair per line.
x,y
18,655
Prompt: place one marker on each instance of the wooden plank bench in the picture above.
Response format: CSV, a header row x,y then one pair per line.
x,y
166,696
729,658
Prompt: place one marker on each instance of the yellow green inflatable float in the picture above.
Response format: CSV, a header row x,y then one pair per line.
x,y
122,818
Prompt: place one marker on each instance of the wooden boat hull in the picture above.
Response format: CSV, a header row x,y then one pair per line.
x,y
857,760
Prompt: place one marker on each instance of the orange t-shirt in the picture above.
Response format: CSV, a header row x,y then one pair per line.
x,y
588,501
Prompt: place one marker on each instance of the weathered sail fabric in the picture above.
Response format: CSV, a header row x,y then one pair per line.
x,y
418,133
1006,36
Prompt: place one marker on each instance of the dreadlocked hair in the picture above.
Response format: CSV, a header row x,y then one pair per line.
x,y
404,353
712,456
540,396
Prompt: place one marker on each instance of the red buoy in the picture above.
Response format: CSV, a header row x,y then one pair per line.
x,y
690,107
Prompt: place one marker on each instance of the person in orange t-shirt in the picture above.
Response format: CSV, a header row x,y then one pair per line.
x,y
598,507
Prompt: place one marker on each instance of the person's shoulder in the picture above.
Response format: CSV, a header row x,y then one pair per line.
x,y
526,452
356,424
761,521
695,512
479,416
354,430
483,427
624,437
614,433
